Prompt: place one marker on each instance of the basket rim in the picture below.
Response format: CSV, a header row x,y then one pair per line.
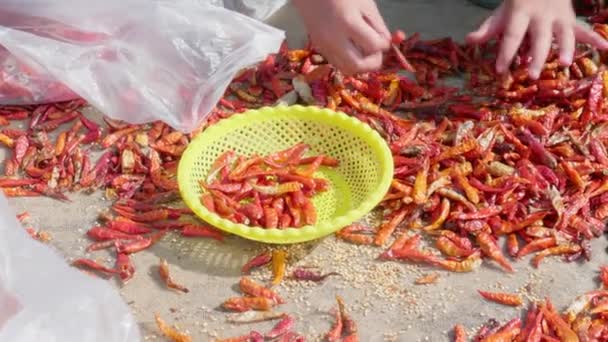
x,y
288,235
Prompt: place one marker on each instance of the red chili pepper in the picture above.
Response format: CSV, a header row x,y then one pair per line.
x,y
102,234
594,99
257,261
93,265
139,245
485,188
192,230
128,227
125,268
539,150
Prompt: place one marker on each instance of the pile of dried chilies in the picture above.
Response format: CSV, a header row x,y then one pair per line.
x,y
273,191
504,157
136,168
586,319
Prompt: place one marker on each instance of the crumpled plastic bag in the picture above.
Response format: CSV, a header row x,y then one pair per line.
x,y
44,299
135,60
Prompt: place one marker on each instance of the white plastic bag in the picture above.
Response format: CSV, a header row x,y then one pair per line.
x,y
136,60
44,299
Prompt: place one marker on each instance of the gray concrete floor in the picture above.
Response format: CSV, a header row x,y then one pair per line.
x,y
382,297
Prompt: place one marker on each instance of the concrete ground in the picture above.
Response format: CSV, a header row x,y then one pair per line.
x,y
381,296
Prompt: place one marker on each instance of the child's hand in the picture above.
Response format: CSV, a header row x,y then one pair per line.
x,y
350,33
542,20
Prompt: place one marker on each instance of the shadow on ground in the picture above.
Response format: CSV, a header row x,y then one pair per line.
x,y
221,259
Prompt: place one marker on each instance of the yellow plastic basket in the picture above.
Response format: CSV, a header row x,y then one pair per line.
x,y
357,185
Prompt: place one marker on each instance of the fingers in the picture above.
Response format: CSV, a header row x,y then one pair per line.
x,y
375,20
543,20
367,38
586,35
347,57
351,35
542,36
489,29
567,43
511,40
353,61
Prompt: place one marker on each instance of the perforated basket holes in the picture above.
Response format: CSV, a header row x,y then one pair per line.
x,y
357,175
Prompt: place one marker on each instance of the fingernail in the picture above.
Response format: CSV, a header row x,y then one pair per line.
x,y
534,74
566,61
500,68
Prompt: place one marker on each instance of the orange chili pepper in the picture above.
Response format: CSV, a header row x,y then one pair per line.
x,y
506,333
490,248
470,264
6,140
279,263
449,248
387,229
557,250
537,245
242,304
469,190
451,152
460,334
512,245
419,193
251,288
443,215
114,137
502,298
561,327
163,271
574,176
346,97
60,144
353,234
170,332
